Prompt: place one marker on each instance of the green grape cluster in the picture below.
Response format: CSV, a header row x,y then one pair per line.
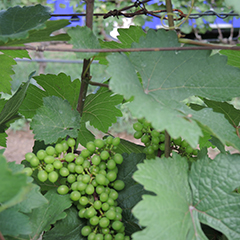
x,y
90,178
154,141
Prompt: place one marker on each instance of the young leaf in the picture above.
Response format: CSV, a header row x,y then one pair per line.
x,y
68,228
41,218
83,38
61,86
55,119
233,57
166,215
16,22
213,183
100,110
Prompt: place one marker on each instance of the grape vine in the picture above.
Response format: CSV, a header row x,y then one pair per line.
x,y
90,179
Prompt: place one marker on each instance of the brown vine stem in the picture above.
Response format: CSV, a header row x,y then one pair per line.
x,y
98,84
167,141
85,77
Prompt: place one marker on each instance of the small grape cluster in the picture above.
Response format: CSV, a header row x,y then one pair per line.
x,y
154,141
91,180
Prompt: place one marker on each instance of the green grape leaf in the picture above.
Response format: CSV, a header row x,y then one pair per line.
x,y
233,57
14,223
165,83
165,215
55,119
13,186
16,22
230,113
6,72
99,109
12,105
132,193
218,126
68,228
41,218
234,4
61,86
83,38
42,35
216,142
129,147
84,135
212,183
32,101
3,138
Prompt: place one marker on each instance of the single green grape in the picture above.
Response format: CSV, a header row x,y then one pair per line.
x,y
103,197
111,176
50,150
34,161
145,139
64,172
59,148
70,157
78,169
111,164
118,216
99,143
57,164
116,141
92,236
82,186
195,152
49,159
155,133
53,176
71,178
98,236
162,146
100,179
62,189
81,211
137,126
65,145
104,222
110,202
75,195
96,160
97,204
41,154
79,160
86,230
94,220
29,156
117,225
162,137
118,210
108,237
49,168
150,150
86,164
184,143
85,153
119,185
109,140
103,172
28,171
110,214
89,189
90,212
105,231
83,200
119,236
94,183
71,167
118,158
137,135
74,186
91,147
113,194
177,141
155,140
104,155
102,165
189,149
105,207
71,142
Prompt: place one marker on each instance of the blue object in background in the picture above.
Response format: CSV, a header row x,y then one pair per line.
x,y
63,7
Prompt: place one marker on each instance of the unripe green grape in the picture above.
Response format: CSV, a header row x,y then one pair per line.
x,y
145,139
119,236
64,172
137,126
71,167
105,207
49,159
94,183
74,186
162,146
189,149
62,189
94,169
49,168
70,157
150,150
110,202
155,133
106,182
71,178
116,141
41,154
85,153
107,190
162,137
155,147
79,160
155,140
90,212
118,216
111,176
108,237
79,178
78,169
71,142
59,148
91,146
105,231
57,164
111,164
99,143
146,123
82,186
75,195
29,156
91,236
81,211
177,141
86,164
113,194
103,172
110,214
118,158
115,170
104,222
118,185
109,140
126,238
97,204
94,220
184,143
34,161
65,145
118,210
42,176
28,171
117,225
138,135
102,165
50,150
86,178
89,189
195,152
96,160
83,200
98,236
86,230
103,197
104,155
100,189
100,179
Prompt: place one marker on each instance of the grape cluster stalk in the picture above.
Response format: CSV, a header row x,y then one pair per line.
x,y
90,179
154,141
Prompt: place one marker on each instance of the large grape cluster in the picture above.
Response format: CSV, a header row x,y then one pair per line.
x,y
154,141
91,180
